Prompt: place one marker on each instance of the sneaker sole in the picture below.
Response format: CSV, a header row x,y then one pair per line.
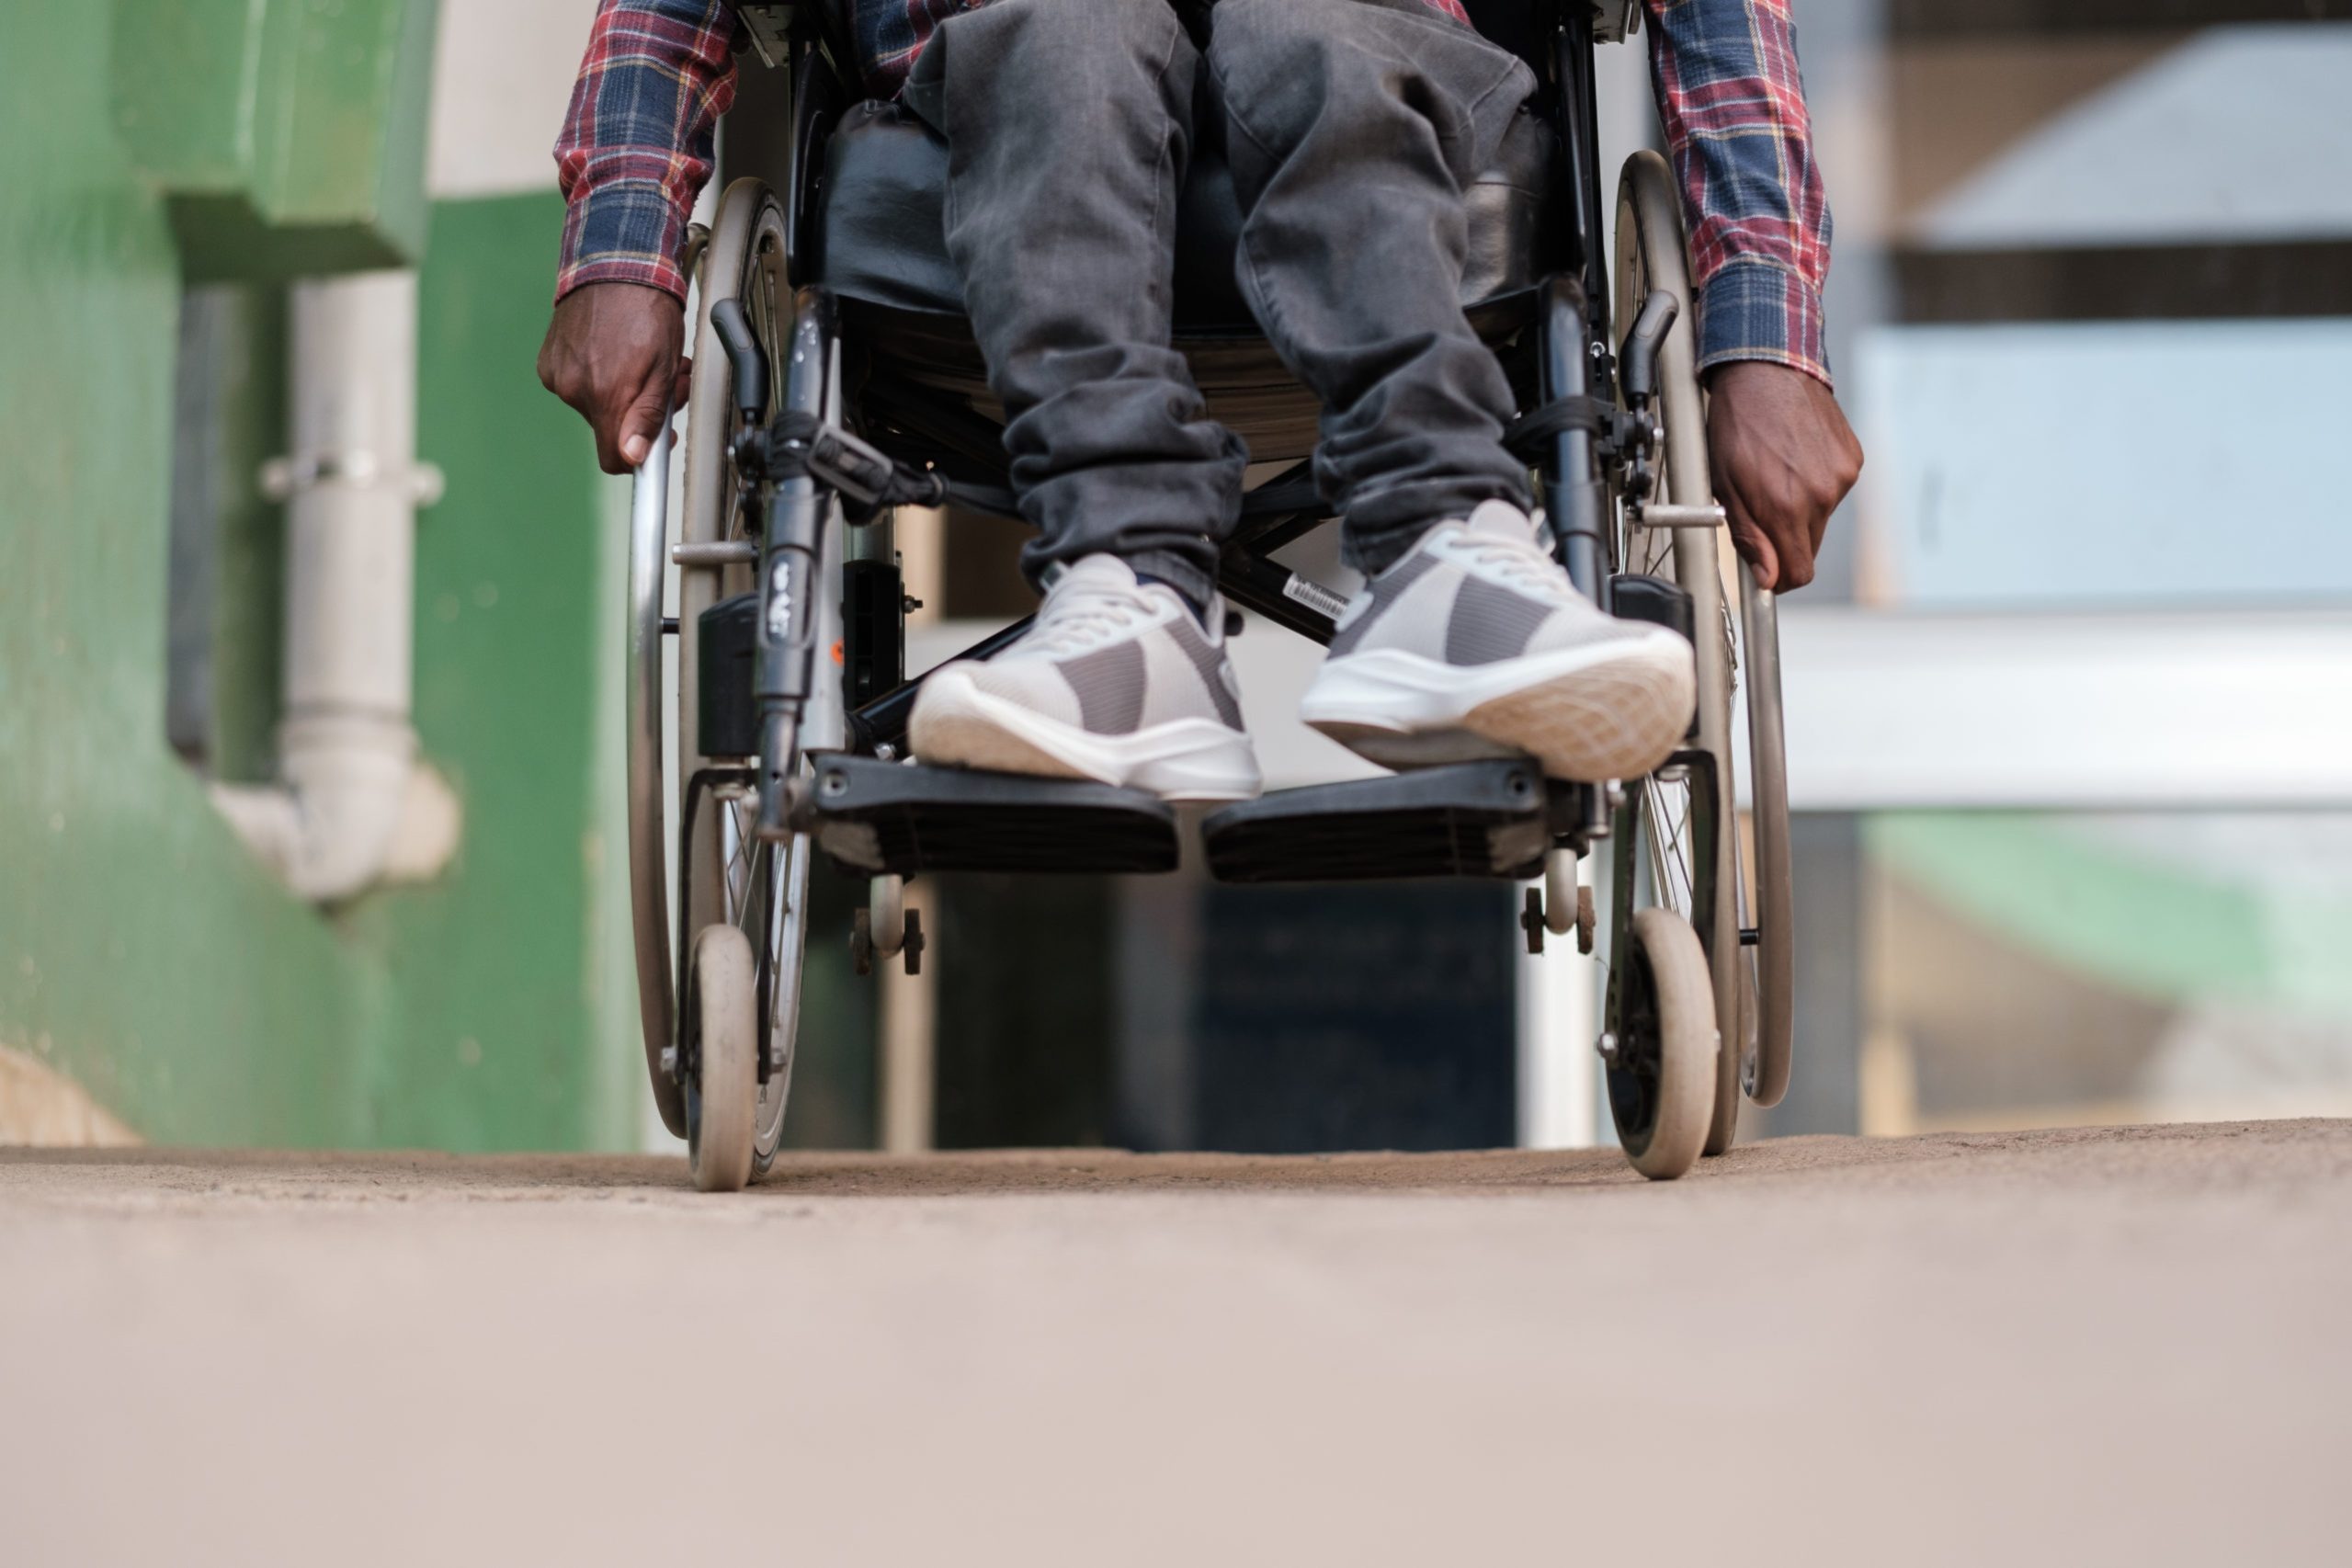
x,y
1616,711
956,724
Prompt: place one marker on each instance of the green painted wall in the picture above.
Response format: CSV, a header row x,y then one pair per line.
x,y
142,951
518,994
288,136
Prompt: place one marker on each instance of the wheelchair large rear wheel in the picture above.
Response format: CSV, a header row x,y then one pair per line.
x,y
1749,876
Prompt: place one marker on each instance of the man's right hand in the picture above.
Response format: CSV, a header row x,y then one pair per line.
x,y
615,351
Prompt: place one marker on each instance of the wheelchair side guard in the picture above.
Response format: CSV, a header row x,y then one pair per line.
x,y
1639,596
726,713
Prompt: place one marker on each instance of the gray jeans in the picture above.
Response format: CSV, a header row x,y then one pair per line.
x,y
1352,127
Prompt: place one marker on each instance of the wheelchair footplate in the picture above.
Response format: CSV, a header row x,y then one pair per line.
x,y
1475,819
876,818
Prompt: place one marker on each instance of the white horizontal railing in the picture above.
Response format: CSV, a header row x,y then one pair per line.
x,y
2142,711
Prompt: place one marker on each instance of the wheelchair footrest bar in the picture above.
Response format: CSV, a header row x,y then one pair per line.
x,y
1477,819
876,818
1660,515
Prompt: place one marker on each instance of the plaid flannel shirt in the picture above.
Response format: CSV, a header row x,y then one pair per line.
x,y
638,144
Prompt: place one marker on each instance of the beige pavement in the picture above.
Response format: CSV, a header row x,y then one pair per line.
x,y
2117,1346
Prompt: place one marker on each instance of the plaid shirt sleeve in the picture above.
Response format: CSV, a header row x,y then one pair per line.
x,y
1742,146
639,141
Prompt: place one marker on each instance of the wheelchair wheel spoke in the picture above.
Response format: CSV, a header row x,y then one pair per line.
x,y
741,849
1666,842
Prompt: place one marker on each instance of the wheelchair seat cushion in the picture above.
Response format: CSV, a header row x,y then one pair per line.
x,y
879,235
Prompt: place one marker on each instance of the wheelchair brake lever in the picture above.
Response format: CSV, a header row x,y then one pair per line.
x,y
745,360
1639,361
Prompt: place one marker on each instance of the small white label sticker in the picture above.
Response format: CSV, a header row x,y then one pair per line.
x,y
779,601
1314,596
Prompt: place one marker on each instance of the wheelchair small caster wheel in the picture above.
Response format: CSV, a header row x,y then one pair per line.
x,y
721,1027
1535,920
1662,1069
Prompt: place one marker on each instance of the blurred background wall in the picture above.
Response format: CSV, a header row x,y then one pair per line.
x,y
2066,707
2073,758
172,166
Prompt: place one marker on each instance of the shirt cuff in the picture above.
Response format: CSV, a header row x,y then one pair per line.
x,y
1752,310
652,271
625,232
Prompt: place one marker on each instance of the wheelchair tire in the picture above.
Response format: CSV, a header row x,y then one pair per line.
x,y
720,1054
1662,1076
1754,983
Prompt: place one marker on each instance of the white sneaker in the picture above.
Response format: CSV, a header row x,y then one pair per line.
x,y
1117,682
1477,645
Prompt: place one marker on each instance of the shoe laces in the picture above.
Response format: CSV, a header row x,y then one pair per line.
x,y
1522,561
1084,612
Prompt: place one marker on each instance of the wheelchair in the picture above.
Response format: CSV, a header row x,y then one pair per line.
x,y
852,386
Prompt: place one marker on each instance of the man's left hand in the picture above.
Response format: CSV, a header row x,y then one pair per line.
x,y
1783,458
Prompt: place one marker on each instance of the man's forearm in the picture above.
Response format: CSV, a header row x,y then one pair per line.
x,y
638,142
1741,142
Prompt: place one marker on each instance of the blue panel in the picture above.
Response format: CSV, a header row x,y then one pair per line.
x,y
2173,462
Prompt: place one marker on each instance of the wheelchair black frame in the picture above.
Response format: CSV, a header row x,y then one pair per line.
x,y
1573,359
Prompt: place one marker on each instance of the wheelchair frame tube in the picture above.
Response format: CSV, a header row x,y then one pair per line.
x,y
882,722
1573,499
792,572
1247,578
1579,132
1574,331
1574,359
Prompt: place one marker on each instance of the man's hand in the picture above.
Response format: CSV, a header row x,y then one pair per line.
x,y
614,352
1783,458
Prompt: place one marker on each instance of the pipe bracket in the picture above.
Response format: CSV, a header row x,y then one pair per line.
x,y
282,479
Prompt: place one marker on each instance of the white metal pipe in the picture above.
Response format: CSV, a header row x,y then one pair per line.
x,y
351,542
352,803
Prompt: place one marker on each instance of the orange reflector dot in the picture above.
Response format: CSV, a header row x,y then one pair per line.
x,y
836,651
